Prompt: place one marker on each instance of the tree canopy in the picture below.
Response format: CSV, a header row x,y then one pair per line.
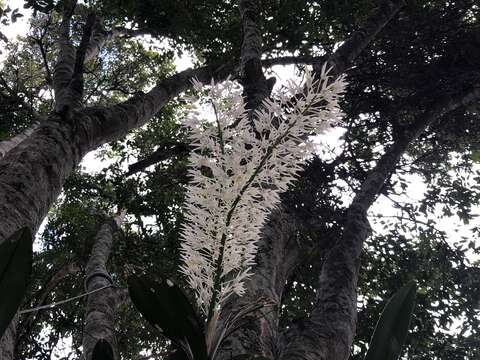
x,y
411,120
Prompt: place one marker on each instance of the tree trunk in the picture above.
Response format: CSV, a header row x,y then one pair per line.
x,y
277,257
262,335
100,311
8,340
331,326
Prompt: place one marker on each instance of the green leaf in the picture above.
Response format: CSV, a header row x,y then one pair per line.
x,y
392,327
249,357
475,156
102,350
15,269
166,307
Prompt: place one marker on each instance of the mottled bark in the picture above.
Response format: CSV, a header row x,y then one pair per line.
x,y
7,145
100,310
100,37
8,340
63,71
255,86
259,332
329,332
275,261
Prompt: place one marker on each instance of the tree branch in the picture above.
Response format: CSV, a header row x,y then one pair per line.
x,y
63,70
109,123
164,152
41,296
255,86
100,37
100,310
332,323
76,84
343,58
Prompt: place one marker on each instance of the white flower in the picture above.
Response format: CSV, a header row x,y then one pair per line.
x,y
239,172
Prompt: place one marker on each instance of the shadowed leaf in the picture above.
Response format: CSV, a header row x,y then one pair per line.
x,y
392,327
166,307
15,268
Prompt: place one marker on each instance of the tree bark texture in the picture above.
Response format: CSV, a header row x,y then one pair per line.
x,y
255,86
276,259
100,310
7,145
8,340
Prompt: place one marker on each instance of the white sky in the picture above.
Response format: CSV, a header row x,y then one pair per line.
x,y
452,226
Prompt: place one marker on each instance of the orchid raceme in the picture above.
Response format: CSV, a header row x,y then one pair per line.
x,y
239,167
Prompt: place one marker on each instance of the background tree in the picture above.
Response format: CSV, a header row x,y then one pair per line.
x,y
410,110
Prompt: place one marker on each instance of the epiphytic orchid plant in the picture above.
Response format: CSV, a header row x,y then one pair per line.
x,y
239,166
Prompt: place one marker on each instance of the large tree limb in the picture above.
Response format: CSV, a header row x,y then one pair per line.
x,y
164,152
255,85
343,58
63,71
278,246
331,327
32,173
7,145
76,84
100,37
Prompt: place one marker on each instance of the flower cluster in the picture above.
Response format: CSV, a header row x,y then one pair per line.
x,y
239,166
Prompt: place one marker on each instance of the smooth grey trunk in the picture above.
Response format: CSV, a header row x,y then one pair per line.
x,y
100,310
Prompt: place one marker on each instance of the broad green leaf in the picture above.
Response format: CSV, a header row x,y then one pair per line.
x,y
166,307
249,357
15,268
102,350
392,327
